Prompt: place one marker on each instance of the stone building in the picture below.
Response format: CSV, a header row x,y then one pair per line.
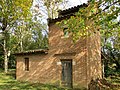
x,y
65,63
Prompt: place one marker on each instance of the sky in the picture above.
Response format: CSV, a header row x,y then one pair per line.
x,y
77,2
71,3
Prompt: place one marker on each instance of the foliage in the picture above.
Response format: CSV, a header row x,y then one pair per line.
x,y
114,80
81,24
13,10
10,12
20,29
99,15
1,61
12,62
27,34
92,18
112,62
50,7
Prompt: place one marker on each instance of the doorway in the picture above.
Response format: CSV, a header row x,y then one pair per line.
x,y
66,73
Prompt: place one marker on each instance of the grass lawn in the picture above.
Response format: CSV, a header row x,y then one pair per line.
x,y
8,82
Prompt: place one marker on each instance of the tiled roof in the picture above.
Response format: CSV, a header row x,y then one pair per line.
x,y
72,9
39,51
65,14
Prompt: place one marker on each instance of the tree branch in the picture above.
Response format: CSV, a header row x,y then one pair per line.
x,y
103,9
110,5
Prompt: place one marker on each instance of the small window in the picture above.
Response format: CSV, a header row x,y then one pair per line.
x,y
66,33
26,64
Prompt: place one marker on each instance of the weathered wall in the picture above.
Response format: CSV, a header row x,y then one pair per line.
x,y
41,69
94,69
44,68
59,44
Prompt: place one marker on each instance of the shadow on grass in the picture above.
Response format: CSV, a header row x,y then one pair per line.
x,y
15,85
8,82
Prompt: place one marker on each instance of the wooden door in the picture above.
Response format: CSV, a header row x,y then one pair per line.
x,y
67,73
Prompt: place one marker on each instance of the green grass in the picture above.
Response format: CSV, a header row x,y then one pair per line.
x,y
114,80
8,82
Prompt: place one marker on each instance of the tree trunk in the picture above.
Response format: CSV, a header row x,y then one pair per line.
x,y
4,26
21,39
6,63
21,45
5,57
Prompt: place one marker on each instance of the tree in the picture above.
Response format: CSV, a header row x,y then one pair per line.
x,y
50,8
37,37
98,15
10,12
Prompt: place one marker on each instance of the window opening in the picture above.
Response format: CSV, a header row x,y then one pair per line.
x,y
26,64
66,33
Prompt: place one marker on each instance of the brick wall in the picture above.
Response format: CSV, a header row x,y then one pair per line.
x,y
85,55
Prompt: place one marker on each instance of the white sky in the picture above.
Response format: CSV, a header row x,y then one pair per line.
x,y
77,2
71,3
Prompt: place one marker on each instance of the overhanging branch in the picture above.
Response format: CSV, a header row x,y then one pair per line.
x,y
106,7
110,5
